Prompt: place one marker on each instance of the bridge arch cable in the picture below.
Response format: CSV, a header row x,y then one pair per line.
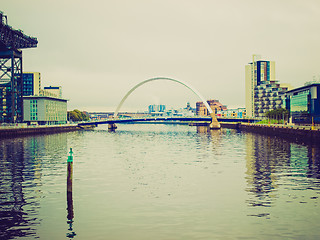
x,y
165,79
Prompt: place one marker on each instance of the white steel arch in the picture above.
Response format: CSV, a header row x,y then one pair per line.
x,y
166,79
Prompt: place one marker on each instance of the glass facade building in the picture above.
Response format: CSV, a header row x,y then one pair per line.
x,y
304,104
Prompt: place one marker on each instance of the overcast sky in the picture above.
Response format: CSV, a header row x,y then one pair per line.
x,y
98,50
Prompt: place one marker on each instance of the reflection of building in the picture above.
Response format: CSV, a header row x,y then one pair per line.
x,y
215,105
264,156
263,92
304,103
31,83
23,164
45,110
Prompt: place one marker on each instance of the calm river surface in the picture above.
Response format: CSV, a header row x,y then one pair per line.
x,y
159,182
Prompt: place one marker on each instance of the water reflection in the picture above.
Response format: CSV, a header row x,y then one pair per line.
x,y
167,182
274,163
70,216
21,166
313,162
12,198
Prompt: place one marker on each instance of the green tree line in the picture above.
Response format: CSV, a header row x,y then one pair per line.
x,y
279,115
77,116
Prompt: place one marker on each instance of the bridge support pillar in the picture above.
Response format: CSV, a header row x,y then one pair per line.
x,y
112,127
214,122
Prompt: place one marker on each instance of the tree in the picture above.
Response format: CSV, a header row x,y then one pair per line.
x,y
278,114
77,116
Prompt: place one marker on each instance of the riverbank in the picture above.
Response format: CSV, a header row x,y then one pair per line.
x,y
292,132
15,131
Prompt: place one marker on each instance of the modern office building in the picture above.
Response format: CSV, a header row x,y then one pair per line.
x,y
215,105
31,83
44,110
263,92
303,103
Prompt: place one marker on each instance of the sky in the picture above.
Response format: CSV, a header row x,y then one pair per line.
x,y
98,50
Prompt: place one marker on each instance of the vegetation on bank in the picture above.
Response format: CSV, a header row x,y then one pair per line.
x,y
276,116
270,121
76,116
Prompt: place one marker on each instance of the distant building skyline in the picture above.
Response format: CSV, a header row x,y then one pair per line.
x,y
156,108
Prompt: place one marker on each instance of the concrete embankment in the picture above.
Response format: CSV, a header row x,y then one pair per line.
x,y
295,133
32,130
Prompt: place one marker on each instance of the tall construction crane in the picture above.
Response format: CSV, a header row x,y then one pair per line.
x,y
11,84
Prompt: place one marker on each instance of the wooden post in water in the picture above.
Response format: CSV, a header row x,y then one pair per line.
x,y
70,215
69,172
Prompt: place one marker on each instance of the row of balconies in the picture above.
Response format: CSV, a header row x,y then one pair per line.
x,y
268,101
268,108
268,95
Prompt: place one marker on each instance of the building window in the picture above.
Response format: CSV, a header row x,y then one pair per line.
x,y
33,110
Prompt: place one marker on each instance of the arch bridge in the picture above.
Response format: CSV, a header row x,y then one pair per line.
x,y
213,125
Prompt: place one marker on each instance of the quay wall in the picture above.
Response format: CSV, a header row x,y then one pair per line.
x,y
23,131
300,134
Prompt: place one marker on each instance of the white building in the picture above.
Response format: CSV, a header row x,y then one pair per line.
x,y
44,110
53,91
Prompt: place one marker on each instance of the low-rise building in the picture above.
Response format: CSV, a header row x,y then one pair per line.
x,y
44,110
303,103
215,105
52,91
232,113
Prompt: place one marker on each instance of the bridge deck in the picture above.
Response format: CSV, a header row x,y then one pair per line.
x,y
152,119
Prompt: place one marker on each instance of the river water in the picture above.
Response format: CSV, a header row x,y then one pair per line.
x,y
159,182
